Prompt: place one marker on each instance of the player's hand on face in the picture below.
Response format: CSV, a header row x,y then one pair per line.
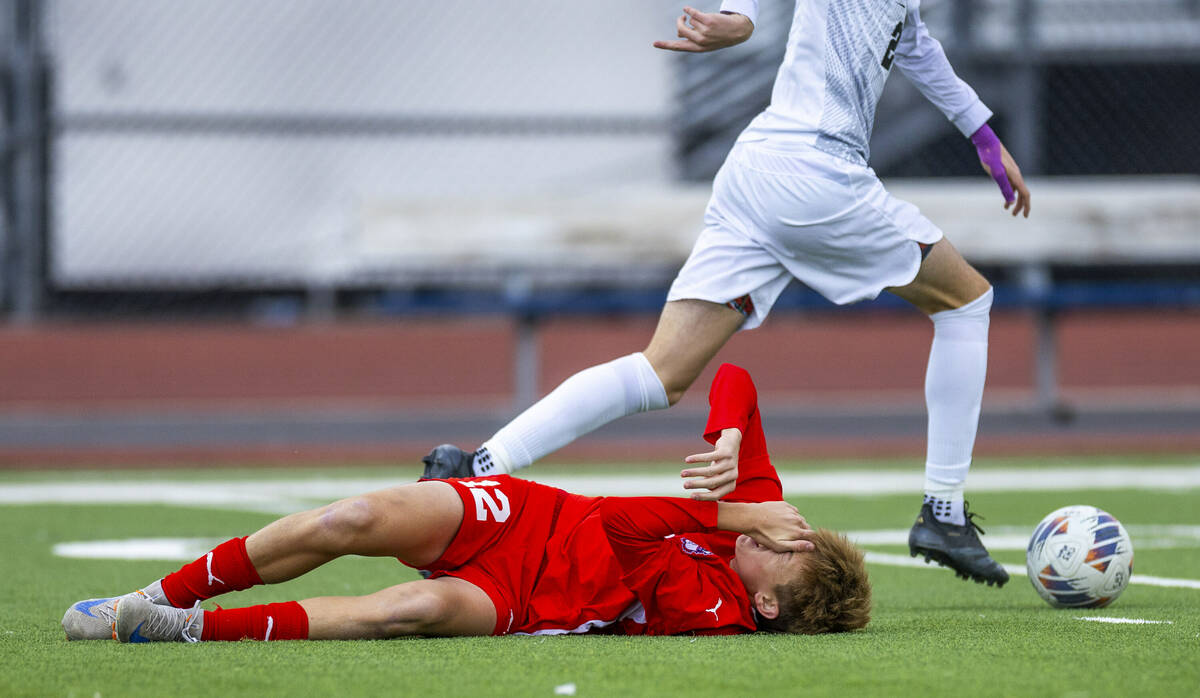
x,y
781,528
707,31
720,476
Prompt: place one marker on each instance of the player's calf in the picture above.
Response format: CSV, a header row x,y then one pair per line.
x,y
445,606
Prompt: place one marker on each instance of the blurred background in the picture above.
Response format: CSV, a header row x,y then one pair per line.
x,y
336,232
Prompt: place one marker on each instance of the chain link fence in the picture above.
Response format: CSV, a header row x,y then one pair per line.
x,y
225,147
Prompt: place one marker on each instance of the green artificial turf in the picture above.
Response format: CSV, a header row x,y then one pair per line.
x,y
930,635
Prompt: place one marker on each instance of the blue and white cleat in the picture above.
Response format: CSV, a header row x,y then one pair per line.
x,y
93,619
140,620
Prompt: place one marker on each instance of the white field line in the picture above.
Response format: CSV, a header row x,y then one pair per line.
x,y
185,549
284,495
906,561
1133,621
1145,537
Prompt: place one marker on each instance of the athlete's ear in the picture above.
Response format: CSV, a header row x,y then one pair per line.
x,y
766,604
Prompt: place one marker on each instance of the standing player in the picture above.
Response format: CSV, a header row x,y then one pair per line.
x,y
513,556
796,199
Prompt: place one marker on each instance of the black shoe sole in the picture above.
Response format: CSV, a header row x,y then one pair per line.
x,y
944,560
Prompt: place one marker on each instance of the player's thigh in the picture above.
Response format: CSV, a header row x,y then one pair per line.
x,y
414,522
945,281
445,606
689,333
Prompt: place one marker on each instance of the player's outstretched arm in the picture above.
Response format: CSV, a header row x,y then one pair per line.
x,y
923,61
700,32
738,468
998,163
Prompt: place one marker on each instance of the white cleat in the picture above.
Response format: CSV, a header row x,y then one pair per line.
x,y
139,620
93,619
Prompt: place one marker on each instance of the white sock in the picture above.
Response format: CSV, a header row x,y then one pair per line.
x,y
953,394
482,463
947,508
582,403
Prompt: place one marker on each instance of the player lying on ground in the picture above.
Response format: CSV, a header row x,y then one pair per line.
x,y
513,556
795,199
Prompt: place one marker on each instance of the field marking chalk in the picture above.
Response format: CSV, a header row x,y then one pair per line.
x,y
1132,621
907,561
281,496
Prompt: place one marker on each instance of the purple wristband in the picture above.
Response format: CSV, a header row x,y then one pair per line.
x,y
989,149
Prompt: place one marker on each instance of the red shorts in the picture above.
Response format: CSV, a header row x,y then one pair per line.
x,y
501,546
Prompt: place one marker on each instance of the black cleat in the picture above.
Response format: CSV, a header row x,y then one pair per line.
x,y
956,547
447,461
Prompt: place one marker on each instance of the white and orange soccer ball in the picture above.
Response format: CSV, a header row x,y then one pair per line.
x,y
1079,557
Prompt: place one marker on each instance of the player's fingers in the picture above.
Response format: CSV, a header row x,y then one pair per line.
x,y
714,481
703,482
686,32
681,45
715,493
1023,202
682,26
718,472
701,457
800,546
1023,197
699,19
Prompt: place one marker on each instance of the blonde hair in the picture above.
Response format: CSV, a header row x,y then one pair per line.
x,y
830,595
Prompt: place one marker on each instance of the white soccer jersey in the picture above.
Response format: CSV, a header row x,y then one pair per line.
x,y
839,55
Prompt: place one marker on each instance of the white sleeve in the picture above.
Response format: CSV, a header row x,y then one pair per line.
x,y
921,58
742,7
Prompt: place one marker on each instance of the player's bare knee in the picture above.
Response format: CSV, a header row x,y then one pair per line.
x,y
346,523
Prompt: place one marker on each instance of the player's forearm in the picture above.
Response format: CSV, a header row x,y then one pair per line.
x,y
777,525
631,520
732,400
739,517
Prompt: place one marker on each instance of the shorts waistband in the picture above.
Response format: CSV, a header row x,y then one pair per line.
x,y
801,161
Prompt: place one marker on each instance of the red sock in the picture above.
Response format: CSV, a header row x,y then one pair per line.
x,y
226,568
273,621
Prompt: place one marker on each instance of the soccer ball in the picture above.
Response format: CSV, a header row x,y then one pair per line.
x,y
1079,557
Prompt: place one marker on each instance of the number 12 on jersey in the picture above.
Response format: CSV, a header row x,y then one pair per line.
x,y
485,502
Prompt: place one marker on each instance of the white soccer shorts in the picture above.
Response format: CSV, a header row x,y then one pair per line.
x,y
804,214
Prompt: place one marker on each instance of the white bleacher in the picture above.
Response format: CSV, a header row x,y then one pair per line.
x,y
633,236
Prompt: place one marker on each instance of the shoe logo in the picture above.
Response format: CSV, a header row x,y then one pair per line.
x,y
270,624
713,610
136,636
212,577
85,607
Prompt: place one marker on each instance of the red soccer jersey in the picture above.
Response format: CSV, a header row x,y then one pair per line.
x,y
554,562
684,582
